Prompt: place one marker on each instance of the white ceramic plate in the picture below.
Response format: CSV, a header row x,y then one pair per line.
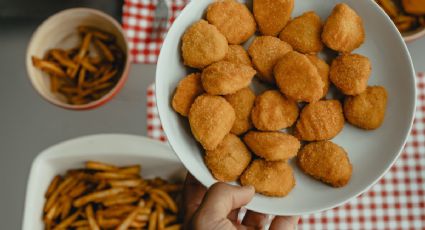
x,y
156,158
371,153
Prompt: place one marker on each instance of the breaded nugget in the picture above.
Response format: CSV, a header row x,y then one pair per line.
x,y
242,102
187,90
327,162
265,51
203,44
272,15
350,73
272,146
298,78
224,77
228,161
303,33
416,7
343,30
367,110
270,178
210,119
232,19
321,120
323,69
273,111
237,54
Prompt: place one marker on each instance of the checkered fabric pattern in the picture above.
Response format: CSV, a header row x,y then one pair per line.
x,y
397,201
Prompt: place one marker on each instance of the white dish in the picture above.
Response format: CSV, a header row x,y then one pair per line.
x,y
371,153
156,158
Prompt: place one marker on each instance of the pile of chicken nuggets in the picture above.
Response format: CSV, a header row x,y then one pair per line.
x,y
250,138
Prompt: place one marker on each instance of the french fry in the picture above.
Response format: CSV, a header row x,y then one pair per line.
x,y
142,217
125,183
81,78
52,199
50,215
160,214
66,207
96,196
120,200
53,185
79,223
83,228
128,220
174,227
77,190
168,200
68,221
169,219
117,211
54,84
95,165
88,66
49,67
389,7
171,187
113,175
134,169
104,36
109,223
90,217
158,200
84,46
104,50
153,218
61,57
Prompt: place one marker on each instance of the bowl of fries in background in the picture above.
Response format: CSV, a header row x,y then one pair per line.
x,y
108,181
407,15
78,58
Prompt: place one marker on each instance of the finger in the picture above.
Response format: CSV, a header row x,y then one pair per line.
x,y
255,219
233,215
193,193
284,222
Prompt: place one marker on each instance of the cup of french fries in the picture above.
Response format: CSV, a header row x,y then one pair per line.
x,y
78,58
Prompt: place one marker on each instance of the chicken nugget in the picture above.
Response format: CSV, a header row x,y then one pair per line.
x,y
367,110
228,161
327,162
237,54
270,178
224,77
203,44
272,15
272,146
350,73
242,102
265,51
323,69
187,90
343,30
273,111
303,33
210,119
232,19
298,78
415,7
321,120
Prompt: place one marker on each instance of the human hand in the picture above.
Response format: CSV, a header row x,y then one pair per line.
x,y
218,208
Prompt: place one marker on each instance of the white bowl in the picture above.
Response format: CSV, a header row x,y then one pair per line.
x,y
156,159
371,153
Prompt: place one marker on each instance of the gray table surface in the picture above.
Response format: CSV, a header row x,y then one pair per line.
x,y
29,124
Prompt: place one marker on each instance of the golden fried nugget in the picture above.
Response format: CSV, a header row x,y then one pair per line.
x,y
232,19
242,102
187,90
265,51
350,73
303,33
228,161
270,178
272,146
273,111
237,54
203,44
343,30
272,15
298,78
321,120
416,7
210,119
323,69
367,110
224,77
327,162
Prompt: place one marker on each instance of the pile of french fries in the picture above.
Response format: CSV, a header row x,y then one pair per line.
x,y
407,15
104,196
87,72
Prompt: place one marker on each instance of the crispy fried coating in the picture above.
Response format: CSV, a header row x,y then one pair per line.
x,y
187,90
343,30
203,44
273,111
224,77
272,146
265,51
298,78
416,7
270,178
303,33
367,110
237,54
350,73
210,119
323,69
327,162
242,102
228,161
232,19
322,120
272,15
